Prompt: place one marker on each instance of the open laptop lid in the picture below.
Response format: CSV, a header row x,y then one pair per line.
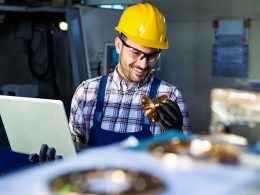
x,y
31,122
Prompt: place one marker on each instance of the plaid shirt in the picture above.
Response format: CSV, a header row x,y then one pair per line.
x,y
122,110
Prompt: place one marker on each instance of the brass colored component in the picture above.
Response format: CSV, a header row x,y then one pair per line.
x,y
113,181
150,105
175,145
225,153
196,148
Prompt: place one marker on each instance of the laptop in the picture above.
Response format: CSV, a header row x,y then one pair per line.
x,y
31,122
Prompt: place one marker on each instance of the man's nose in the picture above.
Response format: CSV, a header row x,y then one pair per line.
x,y
143,62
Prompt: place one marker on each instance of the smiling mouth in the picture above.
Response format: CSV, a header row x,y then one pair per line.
x,y
139,72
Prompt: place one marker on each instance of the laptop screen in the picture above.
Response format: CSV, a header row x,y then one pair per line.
x,y
31,122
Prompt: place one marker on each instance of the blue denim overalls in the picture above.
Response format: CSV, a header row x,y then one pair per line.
x,y
100,137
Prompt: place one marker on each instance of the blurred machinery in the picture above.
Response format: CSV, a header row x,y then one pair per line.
x,y
38,34
162,165
233,109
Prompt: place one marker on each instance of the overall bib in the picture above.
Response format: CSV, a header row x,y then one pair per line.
x,y
99,136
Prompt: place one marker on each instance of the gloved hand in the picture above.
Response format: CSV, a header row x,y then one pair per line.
x,y
46,154
169,115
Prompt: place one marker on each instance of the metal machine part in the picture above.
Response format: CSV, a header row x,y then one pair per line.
x,y
107,181
198,148
150,105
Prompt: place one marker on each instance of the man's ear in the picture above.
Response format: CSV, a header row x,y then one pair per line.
x,y
118,44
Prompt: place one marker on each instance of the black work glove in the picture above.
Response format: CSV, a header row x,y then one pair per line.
x,y
46,154
169,115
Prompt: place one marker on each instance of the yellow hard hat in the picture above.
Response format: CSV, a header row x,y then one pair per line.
x,y
145,25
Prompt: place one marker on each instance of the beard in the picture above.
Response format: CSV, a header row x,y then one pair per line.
x,y
133,72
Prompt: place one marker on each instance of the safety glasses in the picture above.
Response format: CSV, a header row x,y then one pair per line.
x,y
137,54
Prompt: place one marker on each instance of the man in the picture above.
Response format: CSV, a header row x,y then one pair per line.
x,y
108,109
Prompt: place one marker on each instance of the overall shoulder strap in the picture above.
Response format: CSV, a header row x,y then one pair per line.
x,y
100,98
154,88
